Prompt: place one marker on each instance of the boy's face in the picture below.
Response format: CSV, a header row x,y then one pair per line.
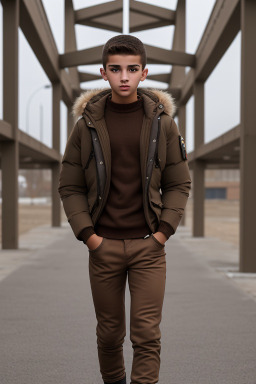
x,y
124,72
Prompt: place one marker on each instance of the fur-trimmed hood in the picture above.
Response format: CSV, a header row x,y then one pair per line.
x,y
92,96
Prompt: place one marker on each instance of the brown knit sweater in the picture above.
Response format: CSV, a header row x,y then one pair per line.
x,y
123,215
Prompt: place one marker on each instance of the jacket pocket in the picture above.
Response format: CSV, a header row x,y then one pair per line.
x,y
157,241
157,204
92,202
156,207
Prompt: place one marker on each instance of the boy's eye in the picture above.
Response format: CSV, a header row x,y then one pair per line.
x,y
115,70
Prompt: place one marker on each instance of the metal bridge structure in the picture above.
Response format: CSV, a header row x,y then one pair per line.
x,y
227,18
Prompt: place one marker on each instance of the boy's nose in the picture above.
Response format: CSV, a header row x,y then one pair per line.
x,y
124,75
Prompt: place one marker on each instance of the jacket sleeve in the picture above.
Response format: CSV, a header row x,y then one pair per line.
x,y
175,180
72,186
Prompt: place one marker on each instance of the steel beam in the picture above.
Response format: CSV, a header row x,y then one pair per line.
x,y
179,44
144,26
225,144
35,26
97,11
222,27
56,203
163,77
111,26
67,91
35,165
6,132
198,166
198,199
70,40
83,76
175,92
161,13
145,16
82,57
31,147
56,99
220,32
56,206
106,16
248,138
10,149
157,55
70,121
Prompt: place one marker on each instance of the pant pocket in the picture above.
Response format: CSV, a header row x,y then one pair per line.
x,y
160,245
92,251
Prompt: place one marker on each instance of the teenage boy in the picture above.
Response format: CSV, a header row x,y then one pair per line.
x,y
124,184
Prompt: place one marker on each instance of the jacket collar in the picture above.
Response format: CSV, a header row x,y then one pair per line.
x,y
94,102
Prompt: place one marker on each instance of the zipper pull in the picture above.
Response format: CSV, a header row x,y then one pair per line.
x,y
89,159
157,163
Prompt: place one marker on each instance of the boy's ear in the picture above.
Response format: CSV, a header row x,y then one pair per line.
x,y
144,74
103,74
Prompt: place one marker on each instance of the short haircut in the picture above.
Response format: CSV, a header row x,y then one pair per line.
x,y
124,45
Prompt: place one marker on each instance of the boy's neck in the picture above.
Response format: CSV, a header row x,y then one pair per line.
x,y
124,100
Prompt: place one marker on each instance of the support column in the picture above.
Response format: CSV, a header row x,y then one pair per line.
x,y
198,199
56,204
198,166
178,72
70,41
10,149
179,44
182,120
248,138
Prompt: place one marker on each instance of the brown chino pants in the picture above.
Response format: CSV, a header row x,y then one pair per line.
x,y
143,260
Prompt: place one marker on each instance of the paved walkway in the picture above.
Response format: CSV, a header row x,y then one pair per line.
x,y
47,320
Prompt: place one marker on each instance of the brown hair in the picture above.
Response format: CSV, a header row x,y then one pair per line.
x,y
124,45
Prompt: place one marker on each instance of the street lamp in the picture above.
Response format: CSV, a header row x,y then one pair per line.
x,y
29,101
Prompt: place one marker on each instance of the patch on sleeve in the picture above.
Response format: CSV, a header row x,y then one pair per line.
x,y
183,148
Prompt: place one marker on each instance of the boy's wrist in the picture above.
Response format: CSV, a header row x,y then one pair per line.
x,y
86,233
166,229
160,236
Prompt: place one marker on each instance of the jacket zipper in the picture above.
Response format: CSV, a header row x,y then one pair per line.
x,y
89,159
96,203
103,198
156,153
148,177
157,164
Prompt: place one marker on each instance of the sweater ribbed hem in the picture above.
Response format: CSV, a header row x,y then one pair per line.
x,y
86,233
166,229
120,233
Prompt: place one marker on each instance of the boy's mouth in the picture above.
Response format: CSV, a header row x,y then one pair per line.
x,y
124,87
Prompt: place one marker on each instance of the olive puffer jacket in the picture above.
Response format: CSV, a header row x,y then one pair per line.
x,y
86,165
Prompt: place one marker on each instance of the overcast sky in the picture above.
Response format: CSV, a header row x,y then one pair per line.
x,y
222,89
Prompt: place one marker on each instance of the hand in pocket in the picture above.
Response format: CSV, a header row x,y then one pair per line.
x,y
94,242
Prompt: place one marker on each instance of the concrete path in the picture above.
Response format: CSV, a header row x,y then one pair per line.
x,y
47,319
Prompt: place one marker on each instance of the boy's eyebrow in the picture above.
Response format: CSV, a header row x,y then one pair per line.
x,y
118,66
